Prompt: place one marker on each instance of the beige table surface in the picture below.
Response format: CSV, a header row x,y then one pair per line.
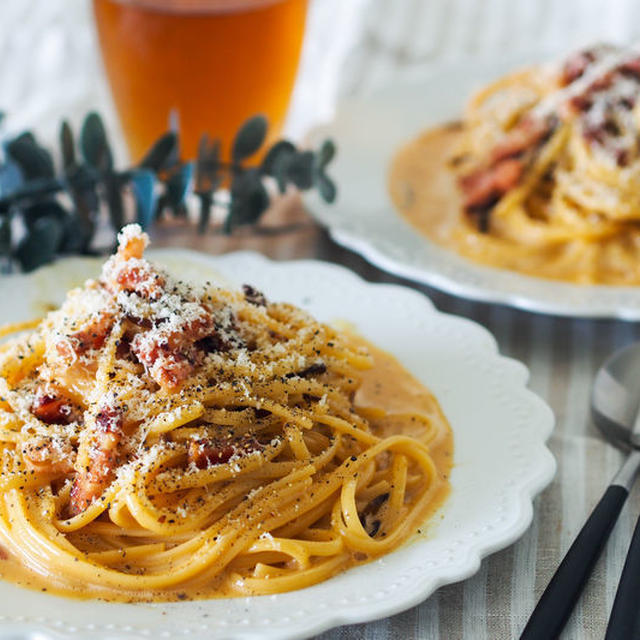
x,y
562,355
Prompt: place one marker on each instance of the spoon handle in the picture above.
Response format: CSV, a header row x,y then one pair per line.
x,y
557,601
625,614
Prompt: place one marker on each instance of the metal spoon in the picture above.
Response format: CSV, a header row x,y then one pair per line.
x,y
615,407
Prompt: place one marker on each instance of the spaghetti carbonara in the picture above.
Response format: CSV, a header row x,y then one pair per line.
x,y
161,441
543,173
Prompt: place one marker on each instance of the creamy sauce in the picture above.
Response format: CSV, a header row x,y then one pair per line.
x,y
423,188
388,385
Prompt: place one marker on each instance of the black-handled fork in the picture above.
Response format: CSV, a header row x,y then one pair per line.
x,y
624,621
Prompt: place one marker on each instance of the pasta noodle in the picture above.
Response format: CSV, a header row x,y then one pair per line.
x,y
159,442
541,176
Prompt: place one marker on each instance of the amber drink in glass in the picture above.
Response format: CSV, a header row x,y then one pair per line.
x,y
213,63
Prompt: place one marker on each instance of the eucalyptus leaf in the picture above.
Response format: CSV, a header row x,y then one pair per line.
x,y
281,171
326,153
177,187
81,186
142,183
281,151
249,139
26,136
249,199
327,188
44,209
94,144
5,235
67,145
41,243
300,169
10,178
80,224
160,154
34,161
77,233
113,196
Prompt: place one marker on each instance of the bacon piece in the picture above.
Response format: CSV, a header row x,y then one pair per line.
x,y
92,336
132,245
170,370
52,407
622,157
137,276
207,453
43,454
127,271
576,65
603,82
213,344
100,460
170,355
525,135
191,331
601,129
631,68
487,185
581,102
584,101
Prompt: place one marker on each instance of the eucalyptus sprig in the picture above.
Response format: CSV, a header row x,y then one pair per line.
x,y
44,212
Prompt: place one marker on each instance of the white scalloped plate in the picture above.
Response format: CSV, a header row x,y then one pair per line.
x,y
500,461
368,130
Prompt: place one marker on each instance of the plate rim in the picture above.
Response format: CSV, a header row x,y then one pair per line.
x,y
378,258
526,491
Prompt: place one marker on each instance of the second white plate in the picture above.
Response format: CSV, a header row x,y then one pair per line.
x,y
367,131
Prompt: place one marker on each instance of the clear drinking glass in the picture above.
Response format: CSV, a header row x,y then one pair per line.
x,y
213,63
